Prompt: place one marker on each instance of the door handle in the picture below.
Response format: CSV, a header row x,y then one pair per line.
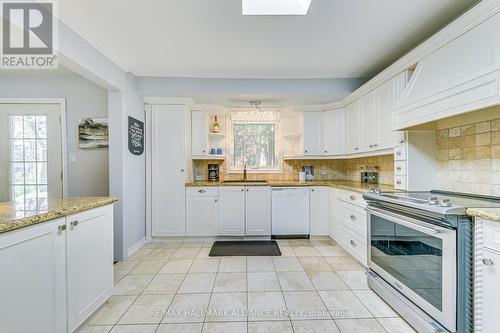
x,y
74,223
354,218
488,262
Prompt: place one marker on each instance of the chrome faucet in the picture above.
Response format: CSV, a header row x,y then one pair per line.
x,y
245,173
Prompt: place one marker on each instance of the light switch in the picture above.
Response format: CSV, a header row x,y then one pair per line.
x,y
72,158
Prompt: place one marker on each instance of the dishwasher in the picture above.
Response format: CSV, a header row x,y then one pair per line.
x,y
290,212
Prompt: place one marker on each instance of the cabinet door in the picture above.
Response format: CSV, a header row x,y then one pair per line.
x,y
333,214
369,122
353,127
313,133
168,163
33,279
491,292
334,132
258,211
199,124
232,211
202,214
90,262
319,198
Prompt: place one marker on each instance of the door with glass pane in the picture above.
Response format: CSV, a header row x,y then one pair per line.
x,y
30,154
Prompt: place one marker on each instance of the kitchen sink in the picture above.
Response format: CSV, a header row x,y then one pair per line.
x,y
245,181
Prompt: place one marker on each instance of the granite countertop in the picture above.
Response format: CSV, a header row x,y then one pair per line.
x,y
492,214
12,219
341,184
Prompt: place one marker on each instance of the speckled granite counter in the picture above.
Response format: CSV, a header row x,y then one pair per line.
x,y
341,184
492,214
12,219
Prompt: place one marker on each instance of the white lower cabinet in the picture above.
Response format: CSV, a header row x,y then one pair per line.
x,y
258,211
202,211
231,211
318,213
59,272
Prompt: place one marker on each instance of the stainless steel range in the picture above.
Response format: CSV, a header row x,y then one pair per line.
x,y
420,256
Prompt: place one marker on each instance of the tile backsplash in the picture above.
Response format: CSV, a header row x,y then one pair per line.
x,y
469,157
323,169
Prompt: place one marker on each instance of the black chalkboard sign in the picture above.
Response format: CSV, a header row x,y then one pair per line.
x,y
135,136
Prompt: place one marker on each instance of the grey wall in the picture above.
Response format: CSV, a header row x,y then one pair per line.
x,y
88,176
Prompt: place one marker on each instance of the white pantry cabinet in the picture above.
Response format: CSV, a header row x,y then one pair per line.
x,y
199,133
258,211
231,211
313,133
56,274
318,211
334,132
167,165
202,211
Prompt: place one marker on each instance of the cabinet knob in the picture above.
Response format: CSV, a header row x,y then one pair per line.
x,y
247,190
204,151
74,223
353,243
356,148
312,190
371,146
62,227
182,170
215,200
398,168
398,153
398,182
201,191
401,141
326,151
353,217
242,190
375,145
352,197
305,151
488,262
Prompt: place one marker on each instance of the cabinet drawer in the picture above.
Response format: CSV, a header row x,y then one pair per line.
x,y
400,168
205,191
400,153
355,245
491,234
354,218
354,198
400,182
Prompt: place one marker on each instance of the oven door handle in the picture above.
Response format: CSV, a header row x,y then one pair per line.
x,y
407,222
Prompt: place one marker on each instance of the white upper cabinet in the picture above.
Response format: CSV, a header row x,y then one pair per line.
x,y
199,130
461,76
334,132
353,127
313,133
369,122
258,211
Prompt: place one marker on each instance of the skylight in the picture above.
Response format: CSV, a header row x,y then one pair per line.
x,y
275,7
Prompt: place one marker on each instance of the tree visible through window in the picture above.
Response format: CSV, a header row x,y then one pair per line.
x,y
254,145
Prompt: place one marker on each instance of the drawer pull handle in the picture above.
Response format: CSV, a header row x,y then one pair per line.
x,y
398,153
62,227
74,223
215,200
398,168
398,182
201,191
488,262
353,218
352,197
353,243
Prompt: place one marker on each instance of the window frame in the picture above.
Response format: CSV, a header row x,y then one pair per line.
x,y
278,168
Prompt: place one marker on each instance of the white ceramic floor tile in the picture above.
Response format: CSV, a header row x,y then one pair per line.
x,y
227,307
343,263
149,266
185,253
134,329
260,264
205,266
344,304
139,254
327,281
300,242
230,282
315,264
315,326
305,305
266,281
295,281
197,283
375,304
354,279
160,254
233,265
359,325
117,278
305,251
177,266
164,284
236,327
204,253
187,308
395,325
286,252
147,309
270,327
287,264
266,306
194,244
94,329
283,242
132,284
180,328
123,267
331,251
111,311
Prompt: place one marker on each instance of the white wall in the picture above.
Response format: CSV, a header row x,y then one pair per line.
x,y
89,175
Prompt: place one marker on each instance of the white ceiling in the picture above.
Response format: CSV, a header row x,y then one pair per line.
x,y
211,39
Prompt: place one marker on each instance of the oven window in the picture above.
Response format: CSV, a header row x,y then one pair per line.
x,y
412,257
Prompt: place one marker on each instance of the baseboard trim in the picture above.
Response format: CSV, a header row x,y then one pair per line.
x,y
135,247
